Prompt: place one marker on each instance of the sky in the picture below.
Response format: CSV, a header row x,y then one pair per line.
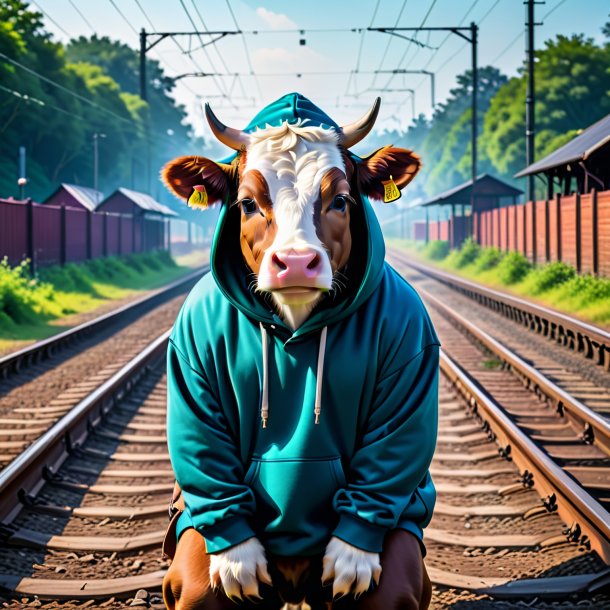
x,y
336,64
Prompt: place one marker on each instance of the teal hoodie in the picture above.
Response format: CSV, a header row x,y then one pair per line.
x,y
369,354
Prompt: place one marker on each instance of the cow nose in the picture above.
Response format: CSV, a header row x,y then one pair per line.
x,y
296,265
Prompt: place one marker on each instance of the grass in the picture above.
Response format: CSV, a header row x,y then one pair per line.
x,y
35,308
554,284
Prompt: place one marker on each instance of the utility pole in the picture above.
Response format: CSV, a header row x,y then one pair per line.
x,y
143,50
96,157
469,34
530,98
22,180
474,30
157,37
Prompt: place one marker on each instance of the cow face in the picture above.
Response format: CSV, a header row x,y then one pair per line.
x,y
296,189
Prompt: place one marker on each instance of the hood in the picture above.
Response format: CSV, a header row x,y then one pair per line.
x,y
232,275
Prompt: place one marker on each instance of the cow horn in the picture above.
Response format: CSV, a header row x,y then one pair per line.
x,y
233,138
354,132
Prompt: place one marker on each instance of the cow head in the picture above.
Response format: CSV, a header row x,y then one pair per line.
x,y
296,188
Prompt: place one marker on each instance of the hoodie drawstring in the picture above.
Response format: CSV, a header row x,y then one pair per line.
x,y
265,401
321,352
319,376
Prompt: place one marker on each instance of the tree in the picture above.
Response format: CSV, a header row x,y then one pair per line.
x,y
446,148
572,92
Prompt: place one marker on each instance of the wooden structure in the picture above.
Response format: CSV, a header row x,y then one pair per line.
x,y
581,165
75,196
489,193
126,201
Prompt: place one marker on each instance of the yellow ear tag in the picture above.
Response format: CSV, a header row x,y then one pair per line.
x,y
390,190
199,197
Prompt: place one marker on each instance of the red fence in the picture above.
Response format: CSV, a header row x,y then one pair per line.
x,y
49,235
570,228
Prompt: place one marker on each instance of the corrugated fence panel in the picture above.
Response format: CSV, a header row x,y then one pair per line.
x,y
97,235
483,230
529,230
126,235
76,235
511,213
520,228
112,234
503,215
433,230
13,227
586,233
540,214
461,229
495,221
47,231
139,246
444,230
568,229
553,224
603,232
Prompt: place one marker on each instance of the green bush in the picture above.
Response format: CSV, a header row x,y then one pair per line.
x,y
489,258
69,278
513,268
551,275
588,288
467,253
436,250
23,299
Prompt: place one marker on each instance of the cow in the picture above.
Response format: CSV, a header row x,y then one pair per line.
x,y
302,378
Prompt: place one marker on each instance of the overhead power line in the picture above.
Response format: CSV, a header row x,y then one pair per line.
x,y
57,25
75,7
246,50
518,36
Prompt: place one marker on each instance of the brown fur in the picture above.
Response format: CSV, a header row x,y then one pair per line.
x,y
183,173
257,230
333,228
404,583
400,163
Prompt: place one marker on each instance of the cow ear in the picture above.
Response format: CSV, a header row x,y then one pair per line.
x,y
198,180
388,164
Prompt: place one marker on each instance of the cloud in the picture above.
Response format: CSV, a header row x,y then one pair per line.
x,y
276,21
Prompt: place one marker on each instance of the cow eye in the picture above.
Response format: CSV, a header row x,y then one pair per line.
x,y
248,205
339,203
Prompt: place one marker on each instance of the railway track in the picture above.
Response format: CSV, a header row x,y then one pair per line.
x,y
581,337
44,381
82,519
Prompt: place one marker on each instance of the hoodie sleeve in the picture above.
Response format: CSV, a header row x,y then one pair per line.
x,y
205,459
393,457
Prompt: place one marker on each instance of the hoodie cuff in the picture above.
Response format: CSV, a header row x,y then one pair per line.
x,y
226,533
361,534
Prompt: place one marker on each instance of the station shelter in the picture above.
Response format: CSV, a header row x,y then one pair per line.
x,y
465,203
572,223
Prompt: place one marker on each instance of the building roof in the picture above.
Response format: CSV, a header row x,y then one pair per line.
x,y
487,185
87,197
146,202
578,149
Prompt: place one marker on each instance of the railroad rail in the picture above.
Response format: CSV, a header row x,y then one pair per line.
x,y
511,472
46,348
591,341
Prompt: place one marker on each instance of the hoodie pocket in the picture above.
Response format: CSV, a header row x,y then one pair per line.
x,y
294,497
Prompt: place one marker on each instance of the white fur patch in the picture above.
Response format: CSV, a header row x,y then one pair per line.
x,y
238,569
351,569
293,159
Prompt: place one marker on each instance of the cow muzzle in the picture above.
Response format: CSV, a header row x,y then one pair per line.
x,y
295,275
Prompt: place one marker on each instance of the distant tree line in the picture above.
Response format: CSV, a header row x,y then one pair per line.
x,y
57,127
572,92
